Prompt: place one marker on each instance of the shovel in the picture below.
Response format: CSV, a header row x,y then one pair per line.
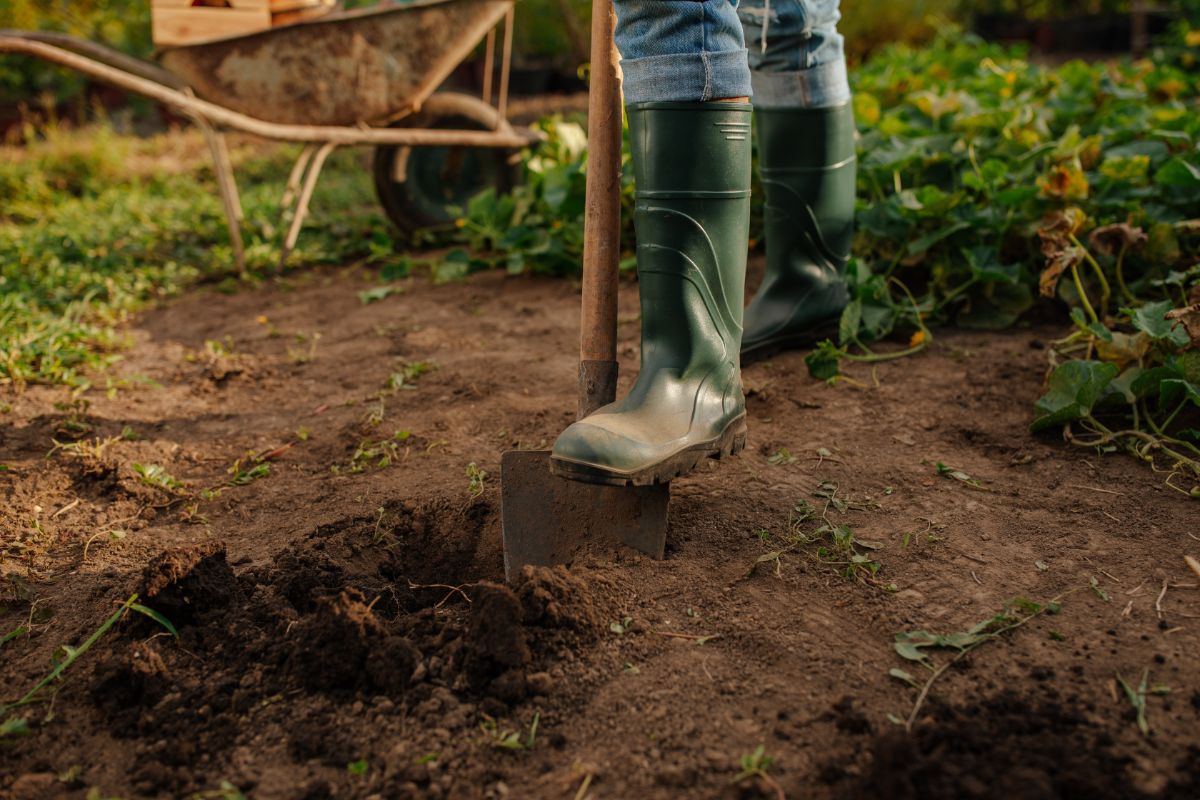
x,y
547,519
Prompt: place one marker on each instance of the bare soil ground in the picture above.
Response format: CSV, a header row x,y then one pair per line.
x,y
344,634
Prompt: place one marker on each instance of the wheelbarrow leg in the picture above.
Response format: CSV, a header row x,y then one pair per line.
x,y
306,193
295,176
227,186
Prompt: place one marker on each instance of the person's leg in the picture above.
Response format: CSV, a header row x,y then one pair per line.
x,y
691,161
807,160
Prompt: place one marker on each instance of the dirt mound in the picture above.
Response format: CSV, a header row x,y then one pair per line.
x,y
186,583
555,598
1007,746
341,647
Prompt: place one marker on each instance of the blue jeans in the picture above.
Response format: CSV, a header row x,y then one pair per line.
x,y
688,50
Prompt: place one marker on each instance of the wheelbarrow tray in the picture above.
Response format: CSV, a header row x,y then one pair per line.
x,y
364,66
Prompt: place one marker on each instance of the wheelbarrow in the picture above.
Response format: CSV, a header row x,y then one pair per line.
x,y
362,77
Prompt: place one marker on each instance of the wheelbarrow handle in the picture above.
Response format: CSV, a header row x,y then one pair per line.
x,y
602,219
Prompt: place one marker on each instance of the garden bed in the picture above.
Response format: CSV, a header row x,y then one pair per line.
x,y
284,474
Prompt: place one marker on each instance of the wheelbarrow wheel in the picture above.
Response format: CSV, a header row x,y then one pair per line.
x,y
429,187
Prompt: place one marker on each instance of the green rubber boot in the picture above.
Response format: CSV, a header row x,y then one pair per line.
x,y
691,162
808,167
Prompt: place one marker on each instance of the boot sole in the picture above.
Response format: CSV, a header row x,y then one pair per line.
x,y
731,442
795,341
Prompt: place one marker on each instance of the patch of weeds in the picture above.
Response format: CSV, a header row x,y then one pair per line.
x,y
67,655
838,546
622,626
918,646
358,768
376,412
304,350
374,453
406,376
506,739
477,480
156,476
928,535
755,765
248,469
1137,697
92,451
74,424
781,457
957,474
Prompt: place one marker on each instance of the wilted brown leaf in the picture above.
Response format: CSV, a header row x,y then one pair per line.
x,y
1189,316
1056,265
1111,239
1060,252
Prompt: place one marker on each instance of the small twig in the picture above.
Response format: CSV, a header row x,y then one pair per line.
x,y
973,558
1128,609
1093,489
1110,575
66,508
695,637
976,577
1193,565
1158,602
583,787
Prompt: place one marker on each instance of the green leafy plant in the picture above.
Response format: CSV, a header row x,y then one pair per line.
x,y
837,544
755,765
477,480
377,453
157,476
1131,384
506,739
917,647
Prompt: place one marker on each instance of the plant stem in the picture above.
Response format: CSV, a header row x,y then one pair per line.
x,y
1120,273
1087,304
1105,289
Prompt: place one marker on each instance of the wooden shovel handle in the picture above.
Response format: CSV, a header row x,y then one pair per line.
x,y
602,219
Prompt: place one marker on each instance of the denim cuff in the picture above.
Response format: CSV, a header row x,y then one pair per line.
x,y
822,86
686,77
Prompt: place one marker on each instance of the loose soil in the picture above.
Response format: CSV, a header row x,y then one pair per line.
x,y
344,630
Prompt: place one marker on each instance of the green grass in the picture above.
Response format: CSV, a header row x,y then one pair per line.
x,y
94,226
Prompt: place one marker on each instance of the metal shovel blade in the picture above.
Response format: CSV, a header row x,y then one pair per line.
x,y
545,519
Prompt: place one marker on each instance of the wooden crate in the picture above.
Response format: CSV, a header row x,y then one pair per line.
x,y
176,22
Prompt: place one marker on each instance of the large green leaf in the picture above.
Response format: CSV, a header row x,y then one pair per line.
x,y
1075,388
1178,172
1173,391
1151,319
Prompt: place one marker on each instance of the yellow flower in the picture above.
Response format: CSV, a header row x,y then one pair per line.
x,y
1192,38
917,338
261,319
460,223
